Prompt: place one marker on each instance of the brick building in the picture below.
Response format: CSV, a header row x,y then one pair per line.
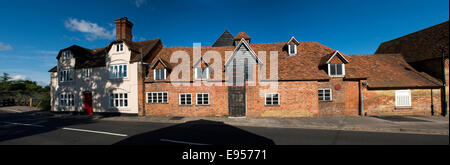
x,y
423,50
237,78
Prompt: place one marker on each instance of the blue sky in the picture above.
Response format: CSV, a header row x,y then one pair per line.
x,y
32,32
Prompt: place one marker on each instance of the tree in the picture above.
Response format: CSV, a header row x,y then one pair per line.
x,y
4,82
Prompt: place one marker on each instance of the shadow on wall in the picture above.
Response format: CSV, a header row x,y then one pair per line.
x,y
99,84
198,132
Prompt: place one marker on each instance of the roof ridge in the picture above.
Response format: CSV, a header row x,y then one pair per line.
x,y
421,30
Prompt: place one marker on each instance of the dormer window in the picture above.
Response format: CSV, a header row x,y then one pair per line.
x,y
119,47
66,54
292,50
336,64
159,74
292,46
336,69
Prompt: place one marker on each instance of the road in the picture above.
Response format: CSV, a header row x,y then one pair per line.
x,y
37,129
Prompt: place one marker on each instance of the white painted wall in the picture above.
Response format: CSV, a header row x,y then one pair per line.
x,y
99,84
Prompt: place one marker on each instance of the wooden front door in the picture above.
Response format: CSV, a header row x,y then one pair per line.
x,y
87,103
236,101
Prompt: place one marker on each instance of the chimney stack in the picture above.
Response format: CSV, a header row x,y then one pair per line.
x,y
123,29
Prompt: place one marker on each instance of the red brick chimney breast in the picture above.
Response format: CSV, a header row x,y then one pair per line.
x,y
124,29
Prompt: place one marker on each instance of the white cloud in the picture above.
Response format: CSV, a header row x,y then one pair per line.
x,y
139,3
47,52
4,47
18,77
92,30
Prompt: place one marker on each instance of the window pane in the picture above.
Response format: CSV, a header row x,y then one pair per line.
x,y
332,69
339,69
120,70
165,97
125,71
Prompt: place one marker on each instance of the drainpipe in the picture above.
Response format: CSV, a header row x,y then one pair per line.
x,y
363,85
444,107
142,77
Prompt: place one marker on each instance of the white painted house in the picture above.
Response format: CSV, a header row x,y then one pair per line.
x,y
104,79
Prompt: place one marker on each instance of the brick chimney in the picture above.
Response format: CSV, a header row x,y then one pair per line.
x,y
123,29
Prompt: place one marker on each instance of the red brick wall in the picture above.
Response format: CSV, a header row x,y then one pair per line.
x,y
297,99
218,100
382,102
345,101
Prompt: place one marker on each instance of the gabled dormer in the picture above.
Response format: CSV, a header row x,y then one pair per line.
x,y
292,46
66,55
160,69
201,70
243,46
335,64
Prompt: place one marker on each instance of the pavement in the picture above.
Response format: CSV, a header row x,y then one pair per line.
x,y
404,124
437,125
21,125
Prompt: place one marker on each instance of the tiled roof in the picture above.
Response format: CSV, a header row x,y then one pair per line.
x,y
241,35
420,45
226,39
381,71
386,71
302,67
54,69
88,58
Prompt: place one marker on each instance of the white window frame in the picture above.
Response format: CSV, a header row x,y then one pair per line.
x,y
66,75
402,93
324,98
119,47
157,101
207,74
115,70
123,100
203,100
271,100
67,98
154,74
343,71
66,54
185,98
289,50
87,72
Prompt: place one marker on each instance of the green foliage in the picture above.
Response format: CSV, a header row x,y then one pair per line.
x,y
8,85
44,102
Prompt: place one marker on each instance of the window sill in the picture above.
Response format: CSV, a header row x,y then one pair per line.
x,y
202,104
337,76
403,107
276,105
118,79
157,103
